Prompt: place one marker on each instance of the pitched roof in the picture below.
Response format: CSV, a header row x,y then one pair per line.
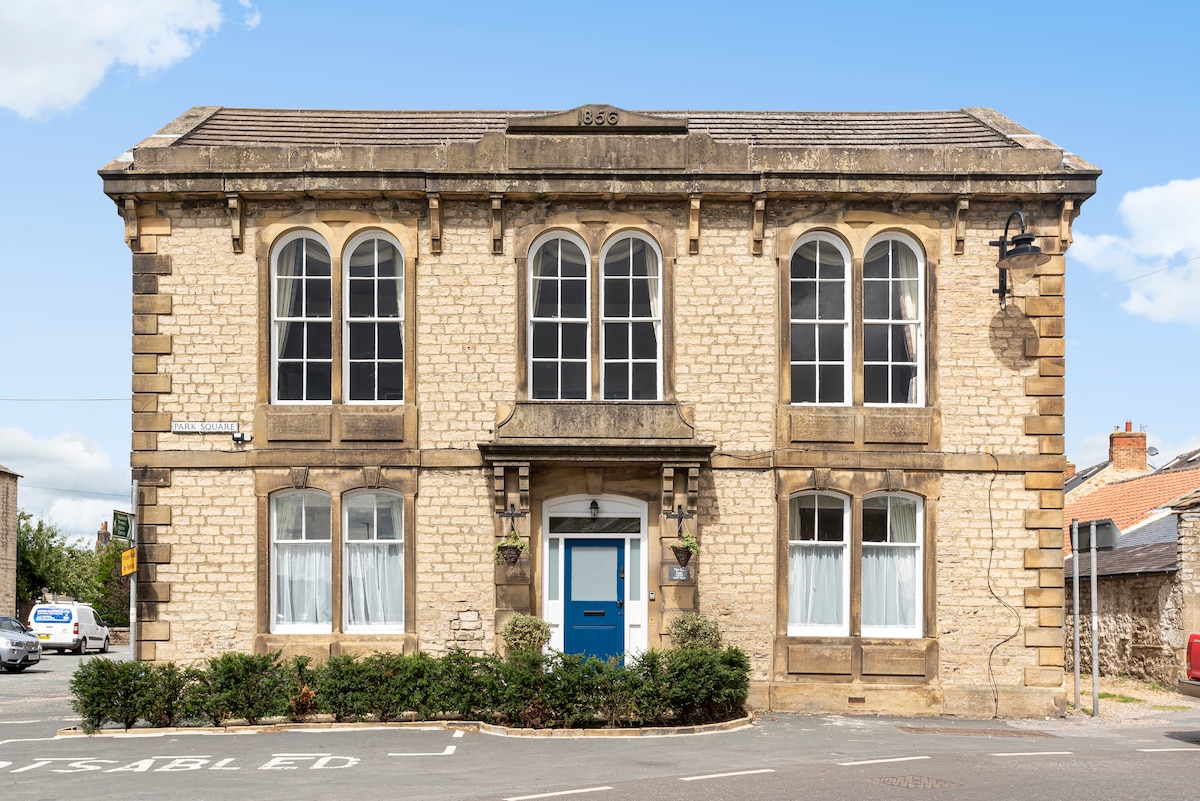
x,y
1132,501
1184,461
1157,558
967,128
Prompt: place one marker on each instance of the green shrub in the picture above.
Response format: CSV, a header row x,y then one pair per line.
x,y
301,695
646,685
705,684
341,688
107,691
694,630
470,686
162,698
249,687
525,633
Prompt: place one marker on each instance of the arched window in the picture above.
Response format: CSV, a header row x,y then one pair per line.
x,y
820,320
892,536
631,319
373,561
818,564
302,321
301,572
893,323
374,324
559,349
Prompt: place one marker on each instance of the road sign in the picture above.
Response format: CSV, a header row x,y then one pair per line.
x,y
129,561
121,524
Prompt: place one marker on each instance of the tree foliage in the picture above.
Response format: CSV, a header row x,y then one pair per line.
x,y
46,560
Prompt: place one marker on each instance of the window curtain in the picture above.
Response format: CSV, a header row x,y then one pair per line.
x,y
908,272
289,267
375,569
303,583
815,589
889,579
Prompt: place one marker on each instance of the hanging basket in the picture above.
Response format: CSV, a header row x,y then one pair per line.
x,y
682,555
509,554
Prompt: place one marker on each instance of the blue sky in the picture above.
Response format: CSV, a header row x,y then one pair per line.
x,y
83,80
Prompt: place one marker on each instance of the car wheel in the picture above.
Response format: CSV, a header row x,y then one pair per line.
x,y
60,650
104,648
82,648
15,668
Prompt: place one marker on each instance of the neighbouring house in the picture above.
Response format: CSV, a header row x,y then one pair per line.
x,y
8,541
368,344
1144,605
1126,459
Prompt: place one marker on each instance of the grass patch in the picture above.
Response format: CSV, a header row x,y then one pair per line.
x,y
1124,699
1171,707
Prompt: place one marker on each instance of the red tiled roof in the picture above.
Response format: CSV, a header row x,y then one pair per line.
x,y
1131,502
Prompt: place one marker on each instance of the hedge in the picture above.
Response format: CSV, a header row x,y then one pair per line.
x,y
529,689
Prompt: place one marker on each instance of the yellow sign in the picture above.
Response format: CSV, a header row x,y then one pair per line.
x,y
129,561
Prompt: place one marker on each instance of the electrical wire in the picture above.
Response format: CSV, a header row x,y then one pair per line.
x,y
992,590
75,491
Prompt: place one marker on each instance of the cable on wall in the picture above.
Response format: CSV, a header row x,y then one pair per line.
x,y
992,590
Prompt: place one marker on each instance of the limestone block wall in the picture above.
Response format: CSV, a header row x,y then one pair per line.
x,y
1188,577
737,565
456,603
210,567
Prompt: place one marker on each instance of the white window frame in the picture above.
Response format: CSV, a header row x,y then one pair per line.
x,y
842,628
278,321
349,544
276,564
586,320
656,319
915,629
823,238
347,320
918,321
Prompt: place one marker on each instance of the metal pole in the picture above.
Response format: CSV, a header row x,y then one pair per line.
x,y
133,524
1095,633
1075,602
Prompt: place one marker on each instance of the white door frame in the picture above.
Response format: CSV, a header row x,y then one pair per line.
x,y
636,563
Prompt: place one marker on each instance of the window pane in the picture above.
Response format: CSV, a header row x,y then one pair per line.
x,y
634,583
804,300
362,298
391,381
552,559
360,517
574,341
290,340
291,381
574,381
876,304
832,343
874,520
804,261
645,382
317,258
616,259
804,343
875,383
593,573
833,379
902,383
573,264
545,295
804,383
362,341
389,299
289,517
833,264
889,586
645,341
391,341
319,385
545,262
642,302
290,261
574,299
320,340
875,343
317,297
289,297
545,381
876,265
831,524
816,585
616,297
545,340
616,381
832,300
616,341
362,381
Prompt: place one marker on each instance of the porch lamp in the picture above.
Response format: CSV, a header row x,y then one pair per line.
x,y
1018,254
594,509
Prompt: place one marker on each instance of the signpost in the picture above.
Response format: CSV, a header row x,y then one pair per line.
x,y
121,525
133,507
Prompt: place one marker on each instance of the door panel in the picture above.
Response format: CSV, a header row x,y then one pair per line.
x,y
595,593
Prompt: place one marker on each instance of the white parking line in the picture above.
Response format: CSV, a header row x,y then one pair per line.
x,y
723,775
1033,753
552,795
1161,750
877,761
449,750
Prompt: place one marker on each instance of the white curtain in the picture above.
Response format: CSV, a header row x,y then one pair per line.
x,y
815,585
303,583
375,584
889,577
910,305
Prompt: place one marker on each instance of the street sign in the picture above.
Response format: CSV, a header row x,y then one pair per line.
x,y
121,524
129,562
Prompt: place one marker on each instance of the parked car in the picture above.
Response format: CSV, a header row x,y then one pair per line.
x,y
18,648
69,626
1191,684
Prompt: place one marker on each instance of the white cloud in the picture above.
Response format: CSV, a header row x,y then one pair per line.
x,y
54,52
253,17
1164,235
68,480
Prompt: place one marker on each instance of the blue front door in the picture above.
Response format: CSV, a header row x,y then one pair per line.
x,y
594,614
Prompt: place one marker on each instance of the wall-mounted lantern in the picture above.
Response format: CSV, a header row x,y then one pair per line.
x,y
1022,258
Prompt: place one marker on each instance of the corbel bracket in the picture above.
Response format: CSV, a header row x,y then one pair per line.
x,y
668,489
757,222
694,225
237,220
128,210
960,225
435,223
497,224
1064,225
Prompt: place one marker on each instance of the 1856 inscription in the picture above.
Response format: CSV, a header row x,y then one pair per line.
x,y
598,117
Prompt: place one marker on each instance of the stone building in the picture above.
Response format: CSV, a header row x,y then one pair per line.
x,y
368,344
8,541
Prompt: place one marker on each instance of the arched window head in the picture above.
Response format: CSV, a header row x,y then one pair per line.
x,y
893,323
559,310
819,321
301,320
374,324
631,319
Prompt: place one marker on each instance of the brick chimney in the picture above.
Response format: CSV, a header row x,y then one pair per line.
x,y
1070,471
1127,449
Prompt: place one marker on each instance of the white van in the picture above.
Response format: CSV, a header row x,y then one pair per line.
x,y
68,626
